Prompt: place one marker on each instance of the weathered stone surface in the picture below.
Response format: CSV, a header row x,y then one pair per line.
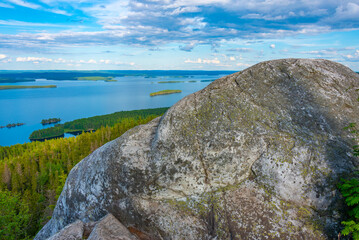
x,y
72,231
109,228
255,155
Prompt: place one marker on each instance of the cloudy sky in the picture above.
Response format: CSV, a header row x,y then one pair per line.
x,y
174,34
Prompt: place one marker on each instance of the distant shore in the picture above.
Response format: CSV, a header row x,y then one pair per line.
x,y
7,87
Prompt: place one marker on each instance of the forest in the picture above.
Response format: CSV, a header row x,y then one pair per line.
x,y
33,174
92,123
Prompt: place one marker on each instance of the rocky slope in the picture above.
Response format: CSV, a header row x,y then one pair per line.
x,y
255,155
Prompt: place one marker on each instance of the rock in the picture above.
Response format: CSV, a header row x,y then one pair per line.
x,y
72,231
109,228
255,155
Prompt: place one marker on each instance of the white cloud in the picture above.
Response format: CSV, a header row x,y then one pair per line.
x,y
59,11
353,57
28,24
348,11
272,46
105,61
33,59
243,64
25,4
60,60
91,61
232,58
2,56
204,61
184,10
4,5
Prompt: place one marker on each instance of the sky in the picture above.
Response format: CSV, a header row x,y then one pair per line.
x,y
174,34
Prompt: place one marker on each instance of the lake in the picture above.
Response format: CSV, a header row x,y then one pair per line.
x,y
79,99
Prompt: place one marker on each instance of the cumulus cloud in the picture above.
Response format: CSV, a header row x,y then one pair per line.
x,y
272,46
2,56
190,23
354,57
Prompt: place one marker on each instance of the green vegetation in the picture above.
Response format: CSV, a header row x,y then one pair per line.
x,y
350,191
97,78
14,216
33,174
6,87
50,121
163,92
92,123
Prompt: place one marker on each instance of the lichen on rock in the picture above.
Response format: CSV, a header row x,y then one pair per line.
x,y
255,155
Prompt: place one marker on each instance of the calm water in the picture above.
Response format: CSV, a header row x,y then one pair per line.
x,y
78,99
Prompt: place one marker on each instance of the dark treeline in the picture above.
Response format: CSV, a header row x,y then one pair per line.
x,y
32,175
92,123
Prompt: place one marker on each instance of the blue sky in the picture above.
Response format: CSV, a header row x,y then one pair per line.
x,y
174,34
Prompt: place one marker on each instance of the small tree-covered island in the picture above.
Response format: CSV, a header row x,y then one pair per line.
x,y
11,125
164,92
50,121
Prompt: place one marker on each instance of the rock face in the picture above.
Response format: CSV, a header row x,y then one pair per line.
x,y
255,155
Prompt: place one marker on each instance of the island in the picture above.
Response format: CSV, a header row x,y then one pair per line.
x,y
97,78
164,92
50,121
11,125
171,81
7,87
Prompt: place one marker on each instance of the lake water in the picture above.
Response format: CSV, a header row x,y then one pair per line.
x,y
79,99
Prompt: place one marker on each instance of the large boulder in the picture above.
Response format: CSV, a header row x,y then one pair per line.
x,y
255,155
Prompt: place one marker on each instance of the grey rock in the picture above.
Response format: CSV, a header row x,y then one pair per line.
x,y
72,231
255,155
109,228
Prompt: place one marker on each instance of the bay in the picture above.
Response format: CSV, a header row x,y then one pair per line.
x,y
79,99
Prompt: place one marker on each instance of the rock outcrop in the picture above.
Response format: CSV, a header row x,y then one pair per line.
x,y
255,155
109,228
73,231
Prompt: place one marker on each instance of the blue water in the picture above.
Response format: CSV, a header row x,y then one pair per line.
x,y
79,99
